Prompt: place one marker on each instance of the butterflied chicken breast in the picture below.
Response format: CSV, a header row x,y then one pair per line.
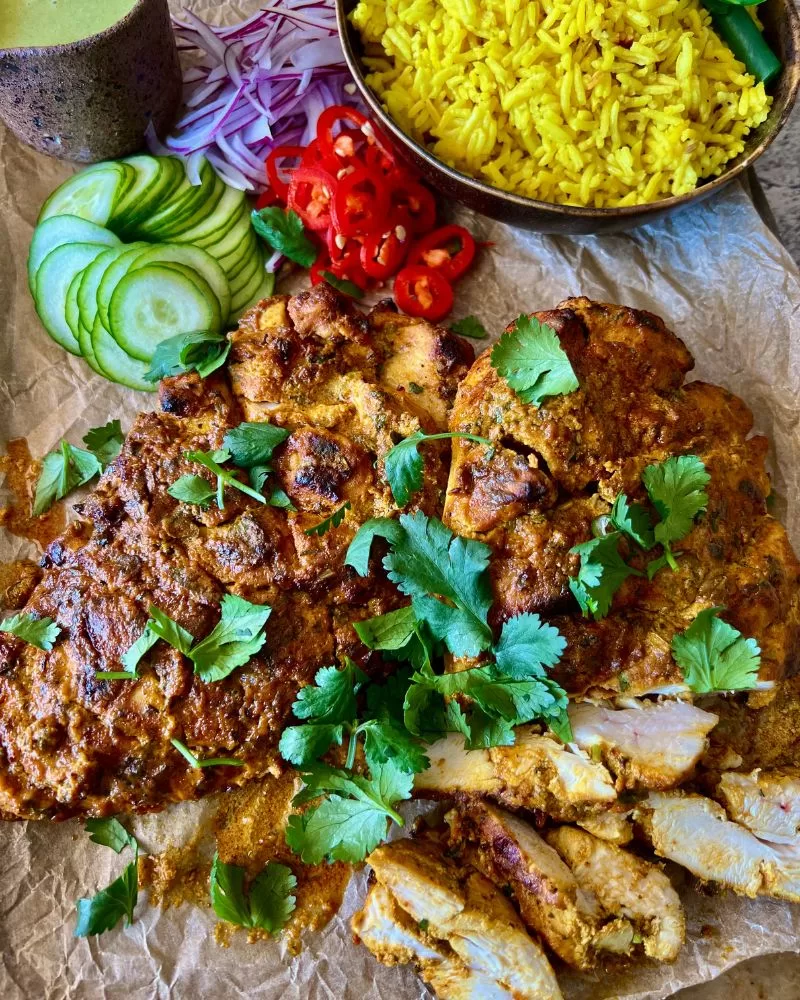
x,y
766,802
696,833
395,939
535,773
73,743
557,467
634,891
461,906
651,745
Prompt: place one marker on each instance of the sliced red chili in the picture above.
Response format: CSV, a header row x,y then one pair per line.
x,y
413,205
267,198
422,291
278,183
359,204
383,254
449,250
358,122
312,157
311,195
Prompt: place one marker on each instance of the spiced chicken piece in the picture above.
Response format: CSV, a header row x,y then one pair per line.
x,y
72,743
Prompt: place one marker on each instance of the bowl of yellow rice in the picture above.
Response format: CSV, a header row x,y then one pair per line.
x,y
571,116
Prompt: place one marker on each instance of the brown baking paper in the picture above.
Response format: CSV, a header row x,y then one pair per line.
x,y
719,278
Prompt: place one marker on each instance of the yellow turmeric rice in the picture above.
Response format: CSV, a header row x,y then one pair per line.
x,y
582,102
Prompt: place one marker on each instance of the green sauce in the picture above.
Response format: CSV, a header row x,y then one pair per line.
x,y
26,23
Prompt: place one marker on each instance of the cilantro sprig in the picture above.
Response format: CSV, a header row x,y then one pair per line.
x,y
198,351
234,640
470,326
194,761
213,461
285,233
63,470
39,632
333,521
105,442
106,908
267,904
533,363
404,464
714,656
676,488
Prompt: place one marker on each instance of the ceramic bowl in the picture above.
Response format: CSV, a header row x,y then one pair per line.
x,y
93,99
781,28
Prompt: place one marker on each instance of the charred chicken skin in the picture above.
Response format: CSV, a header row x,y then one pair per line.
x,y
338,380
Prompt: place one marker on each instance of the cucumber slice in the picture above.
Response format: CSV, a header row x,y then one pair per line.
x,y
53,280
58,230
214,227
196,259
242,261
157,178
87,350
251,292
71,313
115,364
90,194
91,278
114,274
184,204
249,275
263,291
156,302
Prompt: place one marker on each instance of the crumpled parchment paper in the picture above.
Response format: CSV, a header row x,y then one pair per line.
x,y
719,278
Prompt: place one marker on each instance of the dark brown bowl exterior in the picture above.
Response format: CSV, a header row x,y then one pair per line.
x,y
92,100
782,30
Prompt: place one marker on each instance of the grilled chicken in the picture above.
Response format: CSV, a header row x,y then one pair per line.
x,y
75,744
461,907
652,745
766,802
395,939
636,892
583,896
555,468
535,773
696,833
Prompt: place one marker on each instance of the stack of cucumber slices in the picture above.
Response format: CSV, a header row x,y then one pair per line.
x,y
130,252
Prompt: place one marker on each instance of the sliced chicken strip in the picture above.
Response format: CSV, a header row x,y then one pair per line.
x,y
394,939
696,833
462,907
535,773
651,745
634,891
616,827
550,901
766,802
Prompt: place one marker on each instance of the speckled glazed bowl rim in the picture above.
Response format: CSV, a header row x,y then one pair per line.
x,y
80,43
790,16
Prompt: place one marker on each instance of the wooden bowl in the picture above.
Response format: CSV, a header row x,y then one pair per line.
x,y
93,99
782,30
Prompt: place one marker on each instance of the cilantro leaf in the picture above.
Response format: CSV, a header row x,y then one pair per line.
x,y
39,632
333,521
270,902
392,631
677,489
633,520
211,460
333,696
131,658
195,761
161,625
533,363
198,351
358,551
284,232
342,285
253,444
527,645
602,572
470,326
105,910
351,820
62,471
302,745
278,498
110,833
233,641
192,489
714,656
560,724
427,559
385,734
403,463
105,443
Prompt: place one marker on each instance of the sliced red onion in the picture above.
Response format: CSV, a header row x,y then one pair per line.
x,y
261,83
